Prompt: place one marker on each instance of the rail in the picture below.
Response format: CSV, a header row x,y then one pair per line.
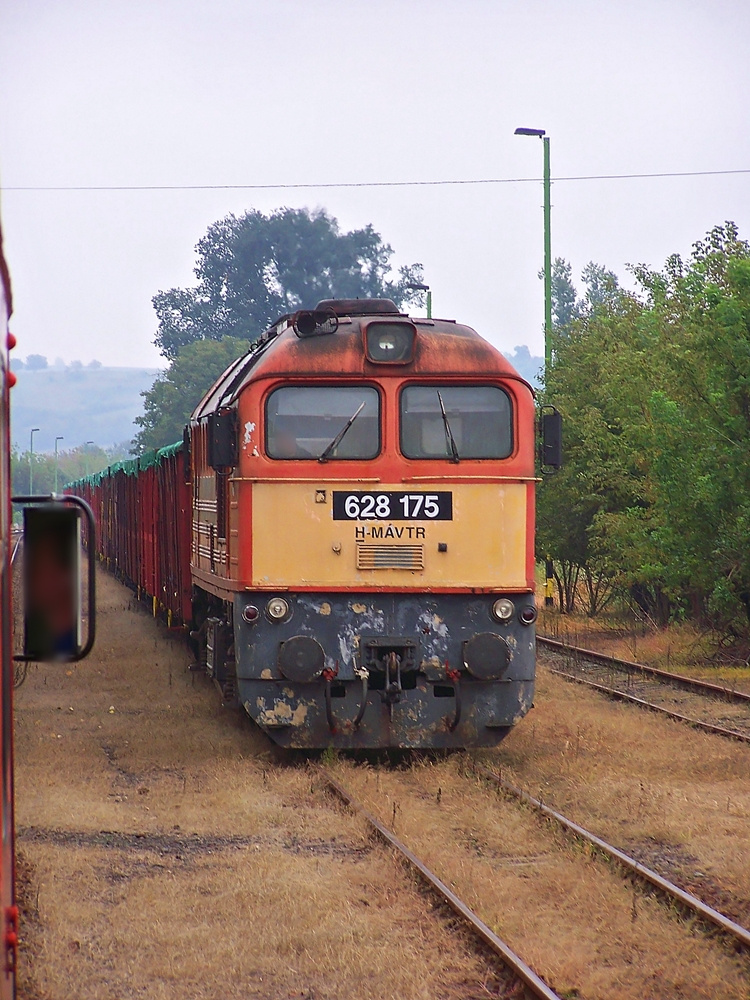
x,y
16,540
693,685
534,986
677,894
689,683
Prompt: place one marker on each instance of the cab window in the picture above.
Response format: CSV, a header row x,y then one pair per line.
x,y
328,422
456,422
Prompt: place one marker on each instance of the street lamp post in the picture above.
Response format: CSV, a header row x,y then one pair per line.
x,y
58,438
540,132
31,459
86,456
424,288
549,599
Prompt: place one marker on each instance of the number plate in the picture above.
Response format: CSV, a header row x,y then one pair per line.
x,y
394,506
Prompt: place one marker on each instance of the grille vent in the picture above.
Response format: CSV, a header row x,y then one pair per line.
x,y
390,556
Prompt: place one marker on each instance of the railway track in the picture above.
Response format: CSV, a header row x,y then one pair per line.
x,y
710,707
614,867
16,538
685,900
20,667
533,985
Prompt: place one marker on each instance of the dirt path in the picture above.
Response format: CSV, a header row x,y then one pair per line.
x,y
165,854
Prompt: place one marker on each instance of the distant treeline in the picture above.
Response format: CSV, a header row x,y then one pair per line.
x,y
38,362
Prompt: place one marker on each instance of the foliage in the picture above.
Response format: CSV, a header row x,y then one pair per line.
x,y
565,307
73,464
254,268
655,392
251,270
592,477
176,392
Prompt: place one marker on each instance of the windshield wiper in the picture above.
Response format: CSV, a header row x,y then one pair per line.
x,y
340,436
449,439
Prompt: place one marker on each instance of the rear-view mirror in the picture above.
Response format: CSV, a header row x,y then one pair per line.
x,y
54,582
551,450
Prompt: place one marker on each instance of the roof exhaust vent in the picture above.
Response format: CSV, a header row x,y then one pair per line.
x,y
359,307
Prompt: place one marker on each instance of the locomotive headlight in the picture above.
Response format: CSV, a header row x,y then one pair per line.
x,y
390,342
503,609
277,609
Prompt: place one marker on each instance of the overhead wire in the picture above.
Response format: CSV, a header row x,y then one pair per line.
x,y
371,184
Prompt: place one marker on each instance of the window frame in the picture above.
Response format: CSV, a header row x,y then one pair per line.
x,y
324,385
457,384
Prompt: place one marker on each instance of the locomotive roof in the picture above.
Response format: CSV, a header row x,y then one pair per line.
x,y
443,347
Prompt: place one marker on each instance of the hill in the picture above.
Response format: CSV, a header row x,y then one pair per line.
x,y
526,364
79,404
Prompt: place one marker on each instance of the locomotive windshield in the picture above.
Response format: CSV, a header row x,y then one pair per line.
x,y
304,422
456,422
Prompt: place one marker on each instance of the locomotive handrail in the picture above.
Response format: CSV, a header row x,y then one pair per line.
x,y
304,479
450,476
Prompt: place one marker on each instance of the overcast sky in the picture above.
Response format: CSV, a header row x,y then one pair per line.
x,y
243,92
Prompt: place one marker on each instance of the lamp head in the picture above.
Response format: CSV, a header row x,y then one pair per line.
x,y
530,131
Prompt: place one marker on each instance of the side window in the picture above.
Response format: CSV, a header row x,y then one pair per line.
x,y
456,422
332,422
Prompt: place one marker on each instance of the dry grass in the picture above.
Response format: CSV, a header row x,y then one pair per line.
x,y
264,923
574,920
224,874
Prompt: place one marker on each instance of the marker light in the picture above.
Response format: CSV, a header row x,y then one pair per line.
x,y
503,609
250,614
277,609
528,614
315,324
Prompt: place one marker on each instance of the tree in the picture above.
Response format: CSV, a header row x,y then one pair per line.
x,y
35,362
254,268
565,308
655,391
176,393
73,464
590,383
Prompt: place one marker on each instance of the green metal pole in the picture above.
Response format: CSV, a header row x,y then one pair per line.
x,y
549,599
429,304
31,459
57,467
547,260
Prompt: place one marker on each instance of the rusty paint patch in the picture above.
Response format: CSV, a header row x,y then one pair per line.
x,y
359,609
266,675
281,714
324,608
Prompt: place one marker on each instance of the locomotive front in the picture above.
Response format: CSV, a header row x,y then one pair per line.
x,y
363,517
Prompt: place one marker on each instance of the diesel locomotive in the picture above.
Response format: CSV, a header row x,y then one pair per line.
x,y
349,526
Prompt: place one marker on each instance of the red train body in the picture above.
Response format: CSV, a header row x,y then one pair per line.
x,y
143,512
8,908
